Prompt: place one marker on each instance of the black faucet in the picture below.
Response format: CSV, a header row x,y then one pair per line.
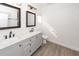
x,y
10,34
32,29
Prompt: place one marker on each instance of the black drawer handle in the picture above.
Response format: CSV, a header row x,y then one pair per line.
x,y
20,45
30,44
30,40
29,50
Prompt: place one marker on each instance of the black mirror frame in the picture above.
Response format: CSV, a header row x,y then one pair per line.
x,y
19,16
27,19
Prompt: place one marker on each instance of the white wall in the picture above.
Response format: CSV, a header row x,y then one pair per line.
x,y
18,31
63,22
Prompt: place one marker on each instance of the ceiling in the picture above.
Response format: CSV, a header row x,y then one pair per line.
x,y
40,5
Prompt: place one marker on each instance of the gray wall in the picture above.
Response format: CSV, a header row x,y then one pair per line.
x,y
61,24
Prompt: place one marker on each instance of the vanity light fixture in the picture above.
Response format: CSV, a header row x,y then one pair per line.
x,y
31,7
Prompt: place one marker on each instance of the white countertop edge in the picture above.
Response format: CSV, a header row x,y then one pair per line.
x,y
19,39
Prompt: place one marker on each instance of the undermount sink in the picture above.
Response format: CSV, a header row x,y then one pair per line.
x,y
7,42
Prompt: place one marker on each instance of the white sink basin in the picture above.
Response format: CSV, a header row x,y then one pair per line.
x,y
7,42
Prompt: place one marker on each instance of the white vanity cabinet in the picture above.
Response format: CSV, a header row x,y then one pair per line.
x,y
12,50
35,42
25,47
17,49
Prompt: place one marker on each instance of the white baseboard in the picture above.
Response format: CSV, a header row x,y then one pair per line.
x,y
64,45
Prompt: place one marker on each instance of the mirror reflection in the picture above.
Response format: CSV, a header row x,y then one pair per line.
x,y
31,19
9,16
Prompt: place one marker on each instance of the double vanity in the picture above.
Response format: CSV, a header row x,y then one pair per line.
x,y
21,46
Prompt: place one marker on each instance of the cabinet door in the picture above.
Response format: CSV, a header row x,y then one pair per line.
x,y
27,51
14,50
26,47
33,48
36,41
39,39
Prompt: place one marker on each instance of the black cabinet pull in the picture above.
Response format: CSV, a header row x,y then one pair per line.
x,y
30,40
30,44
29,50
20,45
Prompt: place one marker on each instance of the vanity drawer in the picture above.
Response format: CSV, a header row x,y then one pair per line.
x,y
36,37
34,46
32,39
26,42
13,50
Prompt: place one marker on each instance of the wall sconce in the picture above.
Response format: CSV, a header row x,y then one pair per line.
x,y
31,7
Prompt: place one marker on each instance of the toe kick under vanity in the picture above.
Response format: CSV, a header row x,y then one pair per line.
x,y
21,46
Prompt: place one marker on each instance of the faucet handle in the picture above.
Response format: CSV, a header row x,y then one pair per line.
x,y
13,35
5,36
10,32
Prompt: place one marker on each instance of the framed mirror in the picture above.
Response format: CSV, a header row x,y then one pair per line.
x,y
9,16
30,19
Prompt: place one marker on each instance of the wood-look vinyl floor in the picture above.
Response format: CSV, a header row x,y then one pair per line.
x,y
52,49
